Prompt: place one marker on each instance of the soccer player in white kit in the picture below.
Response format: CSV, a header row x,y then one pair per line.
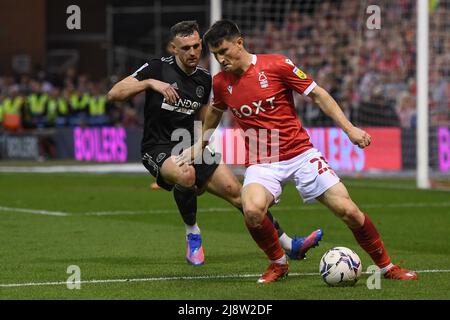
x,y
258,91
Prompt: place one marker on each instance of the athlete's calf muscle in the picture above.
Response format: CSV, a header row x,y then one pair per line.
x,y
338,200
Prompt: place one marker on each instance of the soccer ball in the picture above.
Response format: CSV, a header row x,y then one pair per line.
x,y
340,267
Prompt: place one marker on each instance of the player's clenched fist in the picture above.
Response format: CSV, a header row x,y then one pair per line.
x,y
359,137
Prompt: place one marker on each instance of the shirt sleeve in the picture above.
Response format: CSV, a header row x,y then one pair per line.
x,y
217,99
150,70
295,78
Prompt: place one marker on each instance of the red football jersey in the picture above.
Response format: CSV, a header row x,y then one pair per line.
x,y
260,99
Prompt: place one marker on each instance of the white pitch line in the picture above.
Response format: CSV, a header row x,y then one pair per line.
x,y
32,211
118,213
98,168
181,278
154,211
299,208
408,205
393,186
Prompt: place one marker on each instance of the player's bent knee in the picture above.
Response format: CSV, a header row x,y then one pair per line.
x,y
186,178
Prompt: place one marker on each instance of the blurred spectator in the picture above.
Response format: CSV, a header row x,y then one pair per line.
x,y
406,109
97,107
34,112
12,109
376,111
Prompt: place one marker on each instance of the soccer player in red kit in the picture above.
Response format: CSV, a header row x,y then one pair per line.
x,y
258,91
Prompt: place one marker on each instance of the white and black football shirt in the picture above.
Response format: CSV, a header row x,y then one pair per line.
x,y
161,118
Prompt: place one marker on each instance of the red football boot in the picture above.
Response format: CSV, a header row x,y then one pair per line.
x,y
397,273
274,272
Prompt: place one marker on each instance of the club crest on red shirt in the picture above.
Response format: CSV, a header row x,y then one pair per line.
x,y
263,82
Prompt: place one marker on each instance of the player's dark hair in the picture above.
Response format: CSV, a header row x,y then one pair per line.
x,y
184,29
220,31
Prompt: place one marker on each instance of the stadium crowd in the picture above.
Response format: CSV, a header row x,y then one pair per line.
x,y
371,73
30,102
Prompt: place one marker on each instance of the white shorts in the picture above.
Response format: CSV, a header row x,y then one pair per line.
x,y
309,171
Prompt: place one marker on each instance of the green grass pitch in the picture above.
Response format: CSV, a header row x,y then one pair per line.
x,y
117,228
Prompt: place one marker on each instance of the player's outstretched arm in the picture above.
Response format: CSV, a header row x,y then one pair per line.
x,y
211,120
130,86
330,107
127,88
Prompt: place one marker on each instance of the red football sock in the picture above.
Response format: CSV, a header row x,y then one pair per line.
x,y
266,237
369,239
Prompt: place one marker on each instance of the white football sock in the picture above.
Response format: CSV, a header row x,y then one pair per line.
x,y
192,229
286,242
386,269
282,260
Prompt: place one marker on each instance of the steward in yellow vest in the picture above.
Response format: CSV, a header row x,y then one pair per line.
x,y
12,105
78,102
57,109
34,116
10,112
97,105
37,102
